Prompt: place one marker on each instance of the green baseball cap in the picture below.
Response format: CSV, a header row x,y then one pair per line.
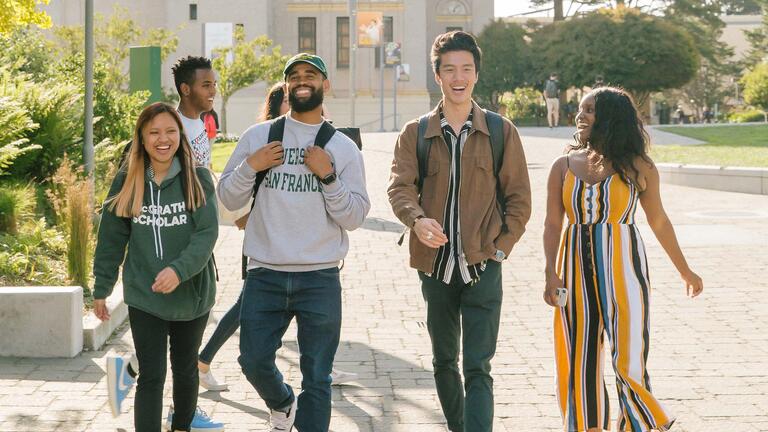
x,y
312,59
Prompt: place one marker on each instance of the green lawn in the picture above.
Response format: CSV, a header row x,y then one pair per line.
x,y
726,146
222,150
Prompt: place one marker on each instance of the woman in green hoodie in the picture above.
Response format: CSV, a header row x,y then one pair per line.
x,y
163,209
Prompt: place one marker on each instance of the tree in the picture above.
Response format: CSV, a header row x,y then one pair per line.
x,y
708,88
640,52
506,61
19,13
251,61
758,41
113,38
755,84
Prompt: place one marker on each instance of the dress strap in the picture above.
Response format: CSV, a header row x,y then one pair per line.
x,y
567,162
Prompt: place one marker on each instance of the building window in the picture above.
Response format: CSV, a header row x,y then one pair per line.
x,y
193,12
342,42
450,29
308,35
388,37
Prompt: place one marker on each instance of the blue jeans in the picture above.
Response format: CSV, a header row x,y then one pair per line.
x,y
224,330
271,299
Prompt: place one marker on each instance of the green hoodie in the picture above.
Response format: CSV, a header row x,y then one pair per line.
x,y
177,238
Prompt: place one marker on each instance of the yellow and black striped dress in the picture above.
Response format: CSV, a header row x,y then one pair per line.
x,y
602,262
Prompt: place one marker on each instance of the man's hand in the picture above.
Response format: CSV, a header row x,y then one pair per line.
x,y
269,156
100,309
318,161
166,281
429,232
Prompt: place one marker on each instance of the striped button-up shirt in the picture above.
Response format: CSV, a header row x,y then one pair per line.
x,y
450,256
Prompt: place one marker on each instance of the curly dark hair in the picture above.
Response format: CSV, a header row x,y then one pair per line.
x,y
185,68
617,135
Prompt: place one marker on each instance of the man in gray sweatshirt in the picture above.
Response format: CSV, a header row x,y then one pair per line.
x,y
295,239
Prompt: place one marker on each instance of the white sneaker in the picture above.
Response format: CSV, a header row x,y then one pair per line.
x,y
339,377
209,382
283,422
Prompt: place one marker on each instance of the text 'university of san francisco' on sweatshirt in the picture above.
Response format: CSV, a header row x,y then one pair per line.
x,y
297,223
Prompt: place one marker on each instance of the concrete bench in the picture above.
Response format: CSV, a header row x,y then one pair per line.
x,y
41,321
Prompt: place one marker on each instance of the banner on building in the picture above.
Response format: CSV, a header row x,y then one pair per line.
x,y
217,35
392,53
370,29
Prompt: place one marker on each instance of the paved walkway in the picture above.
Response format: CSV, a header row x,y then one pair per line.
x,y
708,359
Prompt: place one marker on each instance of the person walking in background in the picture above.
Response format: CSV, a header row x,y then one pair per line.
x,y
601,263
295,239
196,83
466,210
162,209
552,98
211,121
275,105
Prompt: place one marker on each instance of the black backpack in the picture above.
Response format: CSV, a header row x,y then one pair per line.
x,y
496,130
276,131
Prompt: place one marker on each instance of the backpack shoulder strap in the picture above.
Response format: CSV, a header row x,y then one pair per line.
x,y
496,130
422,150
324,134
276,129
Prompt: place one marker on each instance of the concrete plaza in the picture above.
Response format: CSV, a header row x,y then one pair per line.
x,y
708,357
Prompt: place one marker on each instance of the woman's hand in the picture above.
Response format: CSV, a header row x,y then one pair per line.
x,y
166,281
693,283
550,289
100,309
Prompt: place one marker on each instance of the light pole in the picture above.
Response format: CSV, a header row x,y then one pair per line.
x,y
88,126
352,55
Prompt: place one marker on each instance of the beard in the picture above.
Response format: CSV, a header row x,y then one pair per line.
x,y
314,100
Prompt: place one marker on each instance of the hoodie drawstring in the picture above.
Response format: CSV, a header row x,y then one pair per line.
x,y
155,215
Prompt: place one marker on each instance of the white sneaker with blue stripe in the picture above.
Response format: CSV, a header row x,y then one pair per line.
x,y
200,422
119,383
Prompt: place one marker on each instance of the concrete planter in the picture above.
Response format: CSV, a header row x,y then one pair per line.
x,y
731,179
49,322
41,321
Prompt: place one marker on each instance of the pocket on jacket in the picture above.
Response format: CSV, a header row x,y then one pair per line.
x,y
483,181
430,181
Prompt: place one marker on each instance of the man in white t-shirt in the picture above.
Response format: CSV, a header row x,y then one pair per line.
x,y
196,84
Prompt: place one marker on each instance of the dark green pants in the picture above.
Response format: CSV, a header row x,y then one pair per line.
x,y
471,312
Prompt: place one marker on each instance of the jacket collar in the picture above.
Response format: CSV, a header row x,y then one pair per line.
x,y
173,171
478,121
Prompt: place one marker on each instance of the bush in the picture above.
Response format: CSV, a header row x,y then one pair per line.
x,y
70,196
16,202
17,124
524,103
56,109
746,116
35,256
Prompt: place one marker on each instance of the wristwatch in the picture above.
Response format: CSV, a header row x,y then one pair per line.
x,y
499,256
330,178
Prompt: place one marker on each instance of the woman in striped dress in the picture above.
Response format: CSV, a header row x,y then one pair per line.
x,y
597,185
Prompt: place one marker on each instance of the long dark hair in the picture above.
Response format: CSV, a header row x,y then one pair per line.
x,y
128,201
617,135
272,104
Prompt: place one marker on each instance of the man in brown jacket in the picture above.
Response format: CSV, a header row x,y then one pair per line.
x,y
460,231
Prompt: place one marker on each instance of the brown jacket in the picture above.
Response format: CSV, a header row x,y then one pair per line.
x,y
481,224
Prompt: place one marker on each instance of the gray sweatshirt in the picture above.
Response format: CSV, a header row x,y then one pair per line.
x,y
297,223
